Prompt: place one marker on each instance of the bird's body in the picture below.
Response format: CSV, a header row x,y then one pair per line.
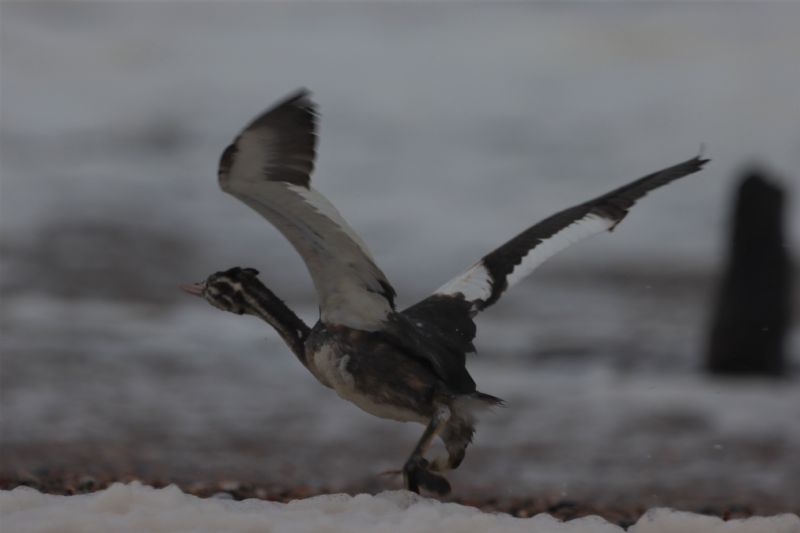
x,y
407,365
348,360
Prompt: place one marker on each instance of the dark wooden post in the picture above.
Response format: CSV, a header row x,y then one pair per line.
x,y
753,306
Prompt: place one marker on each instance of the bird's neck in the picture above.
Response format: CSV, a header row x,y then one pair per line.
x,y
264,304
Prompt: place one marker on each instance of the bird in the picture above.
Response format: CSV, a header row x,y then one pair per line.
x,y
406,365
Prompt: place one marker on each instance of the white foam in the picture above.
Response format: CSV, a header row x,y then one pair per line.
x,y
136,508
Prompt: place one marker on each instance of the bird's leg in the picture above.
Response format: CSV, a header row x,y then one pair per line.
x,y
451,462
456,436
415,472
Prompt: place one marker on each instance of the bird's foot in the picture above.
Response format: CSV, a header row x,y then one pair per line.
x,y
417,474
441,464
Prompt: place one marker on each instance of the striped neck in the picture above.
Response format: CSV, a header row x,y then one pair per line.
x,y
262,302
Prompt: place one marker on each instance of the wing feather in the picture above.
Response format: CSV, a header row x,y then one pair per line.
x,y
268,167
482,284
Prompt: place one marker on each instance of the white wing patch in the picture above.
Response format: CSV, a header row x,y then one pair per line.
x,y
347,280
321,204
268,168
483,283
585,227
476,282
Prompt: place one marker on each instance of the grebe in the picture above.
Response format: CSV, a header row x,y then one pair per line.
x,y
404,365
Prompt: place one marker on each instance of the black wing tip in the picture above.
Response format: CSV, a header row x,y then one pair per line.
x,y
299,95
634,191
689,167
298,101
699,161
300,98
297,105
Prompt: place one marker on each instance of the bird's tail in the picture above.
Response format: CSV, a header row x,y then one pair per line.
x,y
489,400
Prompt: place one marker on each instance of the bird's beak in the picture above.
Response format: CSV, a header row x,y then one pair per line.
x,y
194,288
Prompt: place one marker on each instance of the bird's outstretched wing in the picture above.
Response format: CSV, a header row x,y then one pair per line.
x,y
483,283
268,167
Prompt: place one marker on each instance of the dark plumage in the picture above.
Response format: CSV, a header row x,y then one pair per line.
x,y
408,365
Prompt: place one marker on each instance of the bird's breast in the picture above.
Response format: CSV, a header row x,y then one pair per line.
x,y
332,366
329,366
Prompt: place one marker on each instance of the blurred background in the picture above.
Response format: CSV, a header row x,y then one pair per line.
x,y
445,129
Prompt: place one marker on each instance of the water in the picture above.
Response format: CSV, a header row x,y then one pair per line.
x,y
445,130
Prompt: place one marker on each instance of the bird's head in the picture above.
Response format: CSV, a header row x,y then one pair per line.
x,y
226,290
